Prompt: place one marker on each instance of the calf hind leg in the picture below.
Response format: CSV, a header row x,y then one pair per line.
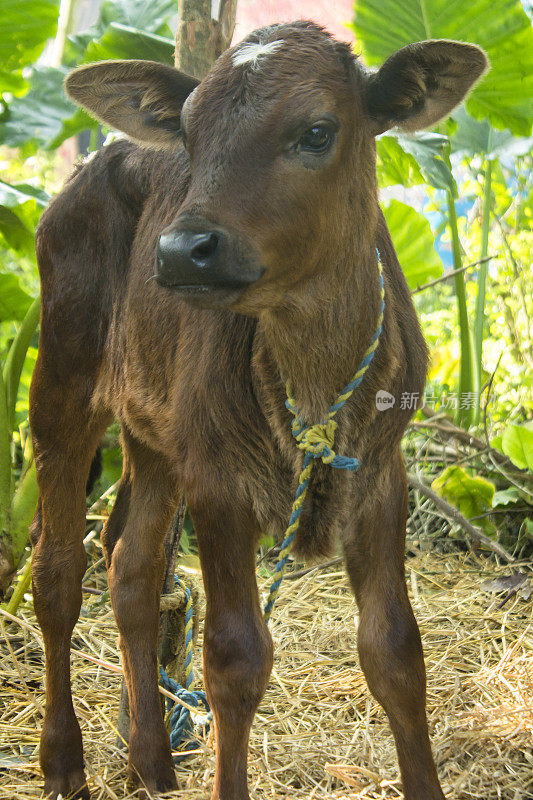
x,y
389,645
65,435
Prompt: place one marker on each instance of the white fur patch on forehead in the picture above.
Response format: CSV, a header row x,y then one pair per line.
x,y
253,53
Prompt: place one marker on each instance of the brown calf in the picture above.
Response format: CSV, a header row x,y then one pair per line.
x,y
259,197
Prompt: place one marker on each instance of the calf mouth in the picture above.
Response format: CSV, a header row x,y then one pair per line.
x,y
209,295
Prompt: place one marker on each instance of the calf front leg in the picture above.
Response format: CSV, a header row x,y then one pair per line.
x,y
388,640
65,436
133,544
237,643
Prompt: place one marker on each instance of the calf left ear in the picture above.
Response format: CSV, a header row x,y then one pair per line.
x,y
422,83
141,98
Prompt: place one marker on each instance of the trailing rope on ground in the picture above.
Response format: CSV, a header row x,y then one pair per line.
x,y
317,442
181,720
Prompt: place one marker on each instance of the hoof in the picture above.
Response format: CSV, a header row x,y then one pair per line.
x,y
71,786
153,781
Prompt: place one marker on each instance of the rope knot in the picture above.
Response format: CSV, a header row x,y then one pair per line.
x,y
317,440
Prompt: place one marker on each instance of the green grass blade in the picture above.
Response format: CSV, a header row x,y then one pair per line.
x,y
5,463
23,510
482,273
15,359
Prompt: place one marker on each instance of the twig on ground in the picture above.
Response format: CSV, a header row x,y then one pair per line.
x,y
455,516
291,576
448,429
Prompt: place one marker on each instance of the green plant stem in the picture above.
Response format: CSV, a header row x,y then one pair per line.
x,y
468,382
93,140
482,275
21,587
23,510
5,463
15,359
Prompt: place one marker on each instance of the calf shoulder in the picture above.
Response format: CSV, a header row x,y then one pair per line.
x,y
83,244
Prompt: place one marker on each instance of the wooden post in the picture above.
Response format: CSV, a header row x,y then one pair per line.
x,y
205,28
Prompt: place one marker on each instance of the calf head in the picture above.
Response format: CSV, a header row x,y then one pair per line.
x,y
282,202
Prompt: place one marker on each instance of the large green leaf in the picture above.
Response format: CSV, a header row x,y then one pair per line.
x,y
45,116
14,301
471,494
517,443
12,81
26,26
142,15
20,193
123,41
413,242
428,149
20,209
501,27
410,160
38,116
395,166
18,235
145,15
475,137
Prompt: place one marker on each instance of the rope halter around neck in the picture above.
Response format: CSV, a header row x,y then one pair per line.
x,y
317,442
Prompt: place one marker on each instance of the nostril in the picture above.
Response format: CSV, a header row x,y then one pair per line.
x,y
204,247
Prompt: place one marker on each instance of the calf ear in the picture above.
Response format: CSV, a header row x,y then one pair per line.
x,y
140,98
421,83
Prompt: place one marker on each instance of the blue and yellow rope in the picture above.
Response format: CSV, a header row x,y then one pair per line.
x,y
317,442
181,723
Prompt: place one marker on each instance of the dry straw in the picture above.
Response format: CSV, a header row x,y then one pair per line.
x,y
318,733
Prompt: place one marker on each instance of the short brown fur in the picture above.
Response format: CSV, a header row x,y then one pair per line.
x,y
197,387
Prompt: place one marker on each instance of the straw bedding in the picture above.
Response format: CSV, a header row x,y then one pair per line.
x,y
318,733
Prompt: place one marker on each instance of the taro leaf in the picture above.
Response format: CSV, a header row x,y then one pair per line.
x,y
428,149
20,208
26,27
15,232
506,497
517,444
414,159
12,196
38,116
149,16
501,27
41,197
413,242
146,15
12,81
496,443
123,41
395,166
14,301
480,138
471,494
72,126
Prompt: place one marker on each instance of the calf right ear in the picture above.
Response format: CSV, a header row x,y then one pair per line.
x,y
141,98
422,83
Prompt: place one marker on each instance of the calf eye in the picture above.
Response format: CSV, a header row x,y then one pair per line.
x,y
317,139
